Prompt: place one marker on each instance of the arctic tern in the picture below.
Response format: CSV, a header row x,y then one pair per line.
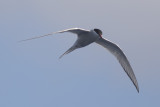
x,y
86,37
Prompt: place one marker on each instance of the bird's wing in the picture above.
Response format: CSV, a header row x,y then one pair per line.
x,y
72,30
118,53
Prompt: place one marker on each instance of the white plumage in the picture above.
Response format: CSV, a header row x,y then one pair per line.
x,y
86,37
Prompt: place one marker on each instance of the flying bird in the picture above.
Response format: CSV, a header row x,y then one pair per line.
x,y
86,37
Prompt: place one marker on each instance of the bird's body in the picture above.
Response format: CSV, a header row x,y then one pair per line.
x,y
86,37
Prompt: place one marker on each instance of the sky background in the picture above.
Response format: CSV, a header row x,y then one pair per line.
x,y
31,75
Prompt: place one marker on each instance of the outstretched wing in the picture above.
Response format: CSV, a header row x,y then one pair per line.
x,y
118,53
72,30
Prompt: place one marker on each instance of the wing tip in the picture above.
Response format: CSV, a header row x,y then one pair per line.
x,y
137,87
135,84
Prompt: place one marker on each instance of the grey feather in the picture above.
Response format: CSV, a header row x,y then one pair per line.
x,y
118,53
72,30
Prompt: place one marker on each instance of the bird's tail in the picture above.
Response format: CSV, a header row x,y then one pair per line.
x,y
68,51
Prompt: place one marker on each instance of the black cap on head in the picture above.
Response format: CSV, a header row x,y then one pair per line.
x,y
98,31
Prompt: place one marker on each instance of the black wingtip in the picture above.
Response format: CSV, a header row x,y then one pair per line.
x,y
137,89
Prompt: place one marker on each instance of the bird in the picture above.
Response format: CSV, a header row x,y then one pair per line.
x,y
86,37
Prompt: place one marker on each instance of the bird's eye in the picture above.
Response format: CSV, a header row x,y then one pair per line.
x,y
96,30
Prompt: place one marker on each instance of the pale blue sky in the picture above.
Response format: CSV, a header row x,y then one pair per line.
x,y
31,75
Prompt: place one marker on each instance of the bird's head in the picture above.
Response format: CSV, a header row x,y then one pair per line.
x,y
98,31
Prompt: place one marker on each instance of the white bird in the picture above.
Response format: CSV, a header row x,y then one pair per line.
x,y
86,37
